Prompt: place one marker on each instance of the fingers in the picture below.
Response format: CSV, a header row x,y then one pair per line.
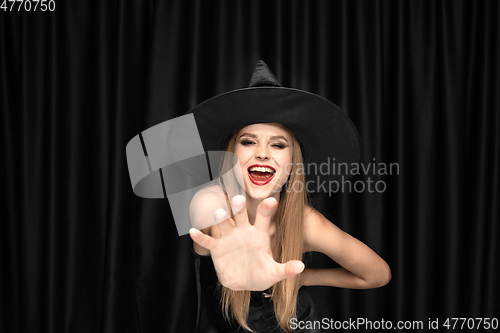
x,y
265,211
290,269
238,205
203,240
224,223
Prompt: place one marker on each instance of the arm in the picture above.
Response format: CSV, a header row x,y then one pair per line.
x,y
361,267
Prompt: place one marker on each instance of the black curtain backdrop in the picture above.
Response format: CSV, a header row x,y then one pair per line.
x,y
79,252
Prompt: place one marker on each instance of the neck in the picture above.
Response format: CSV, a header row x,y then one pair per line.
x,y
252,204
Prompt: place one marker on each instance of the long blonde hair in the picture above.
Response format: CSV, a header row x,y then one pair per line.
x,y
287,245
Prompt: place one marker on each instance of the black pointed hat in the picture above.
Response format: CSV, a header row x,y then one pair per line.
x,y
324,131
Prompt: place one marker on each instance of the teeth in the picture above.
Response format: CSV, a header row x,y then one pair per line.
x,y
261,169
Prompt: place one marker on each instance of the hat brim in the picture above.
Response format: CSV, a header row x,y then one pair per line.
x,y
325,132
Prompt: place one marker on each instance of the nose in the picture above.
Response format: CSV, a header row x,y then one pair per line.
x,y
262,153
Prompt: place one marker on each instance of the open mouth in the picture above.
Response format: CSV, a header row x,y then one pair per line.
x,y
260,174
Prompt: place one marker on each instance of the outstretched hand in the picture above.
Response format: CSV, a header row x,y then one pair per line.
x,y
242,255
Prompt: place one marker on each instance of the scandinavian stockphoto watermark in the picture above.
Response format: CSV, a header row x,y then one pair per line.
x,y
343,171
169,161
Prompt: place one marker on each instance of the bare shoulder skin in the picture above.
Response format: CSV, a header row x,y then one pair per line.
x,y
201,210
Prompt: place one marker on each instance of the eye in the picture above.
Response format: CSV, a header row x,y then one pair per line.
x,y
279,145
246,142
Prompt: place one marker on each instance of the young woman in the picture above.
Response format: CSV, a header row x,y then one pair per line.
x,y
257,248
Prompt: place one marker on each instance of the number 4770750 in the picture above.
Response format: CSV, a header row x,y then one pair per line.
x,y
28,5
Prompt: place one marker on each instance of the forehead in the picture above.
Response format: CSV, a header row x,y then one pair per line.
x,y
267,129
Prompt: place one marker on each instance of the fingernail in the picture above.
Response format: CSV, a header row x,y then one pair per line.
x,y
220,215
270,199
237,203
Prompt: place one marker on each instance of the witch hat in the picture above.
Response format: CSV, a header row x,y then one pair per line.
x,y
324,131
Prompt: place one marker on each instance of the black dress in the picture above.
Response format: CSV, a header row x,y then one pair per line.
x,y
261,316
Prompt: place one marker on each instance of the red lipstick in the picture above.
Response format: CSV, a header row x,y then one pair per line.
x,y
261,177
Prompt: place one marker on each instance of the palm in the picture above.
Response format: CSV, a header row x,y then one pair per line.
x,y
243,259
242,255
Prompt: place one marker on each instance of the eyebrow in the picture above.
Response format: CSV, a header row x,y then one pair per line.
x,y
279,137
249,134
276,137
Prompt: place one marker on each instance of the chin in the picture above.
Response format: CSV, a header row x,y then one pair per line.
x,y
259,192
259,195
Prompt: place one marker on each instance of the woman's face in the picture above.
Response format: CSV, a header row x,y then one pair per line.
x,y
265,155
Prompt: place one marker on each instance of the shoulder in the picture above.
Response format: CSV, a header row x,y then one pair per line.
x,y
201,211
313,219
213,191
319,232
204,204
